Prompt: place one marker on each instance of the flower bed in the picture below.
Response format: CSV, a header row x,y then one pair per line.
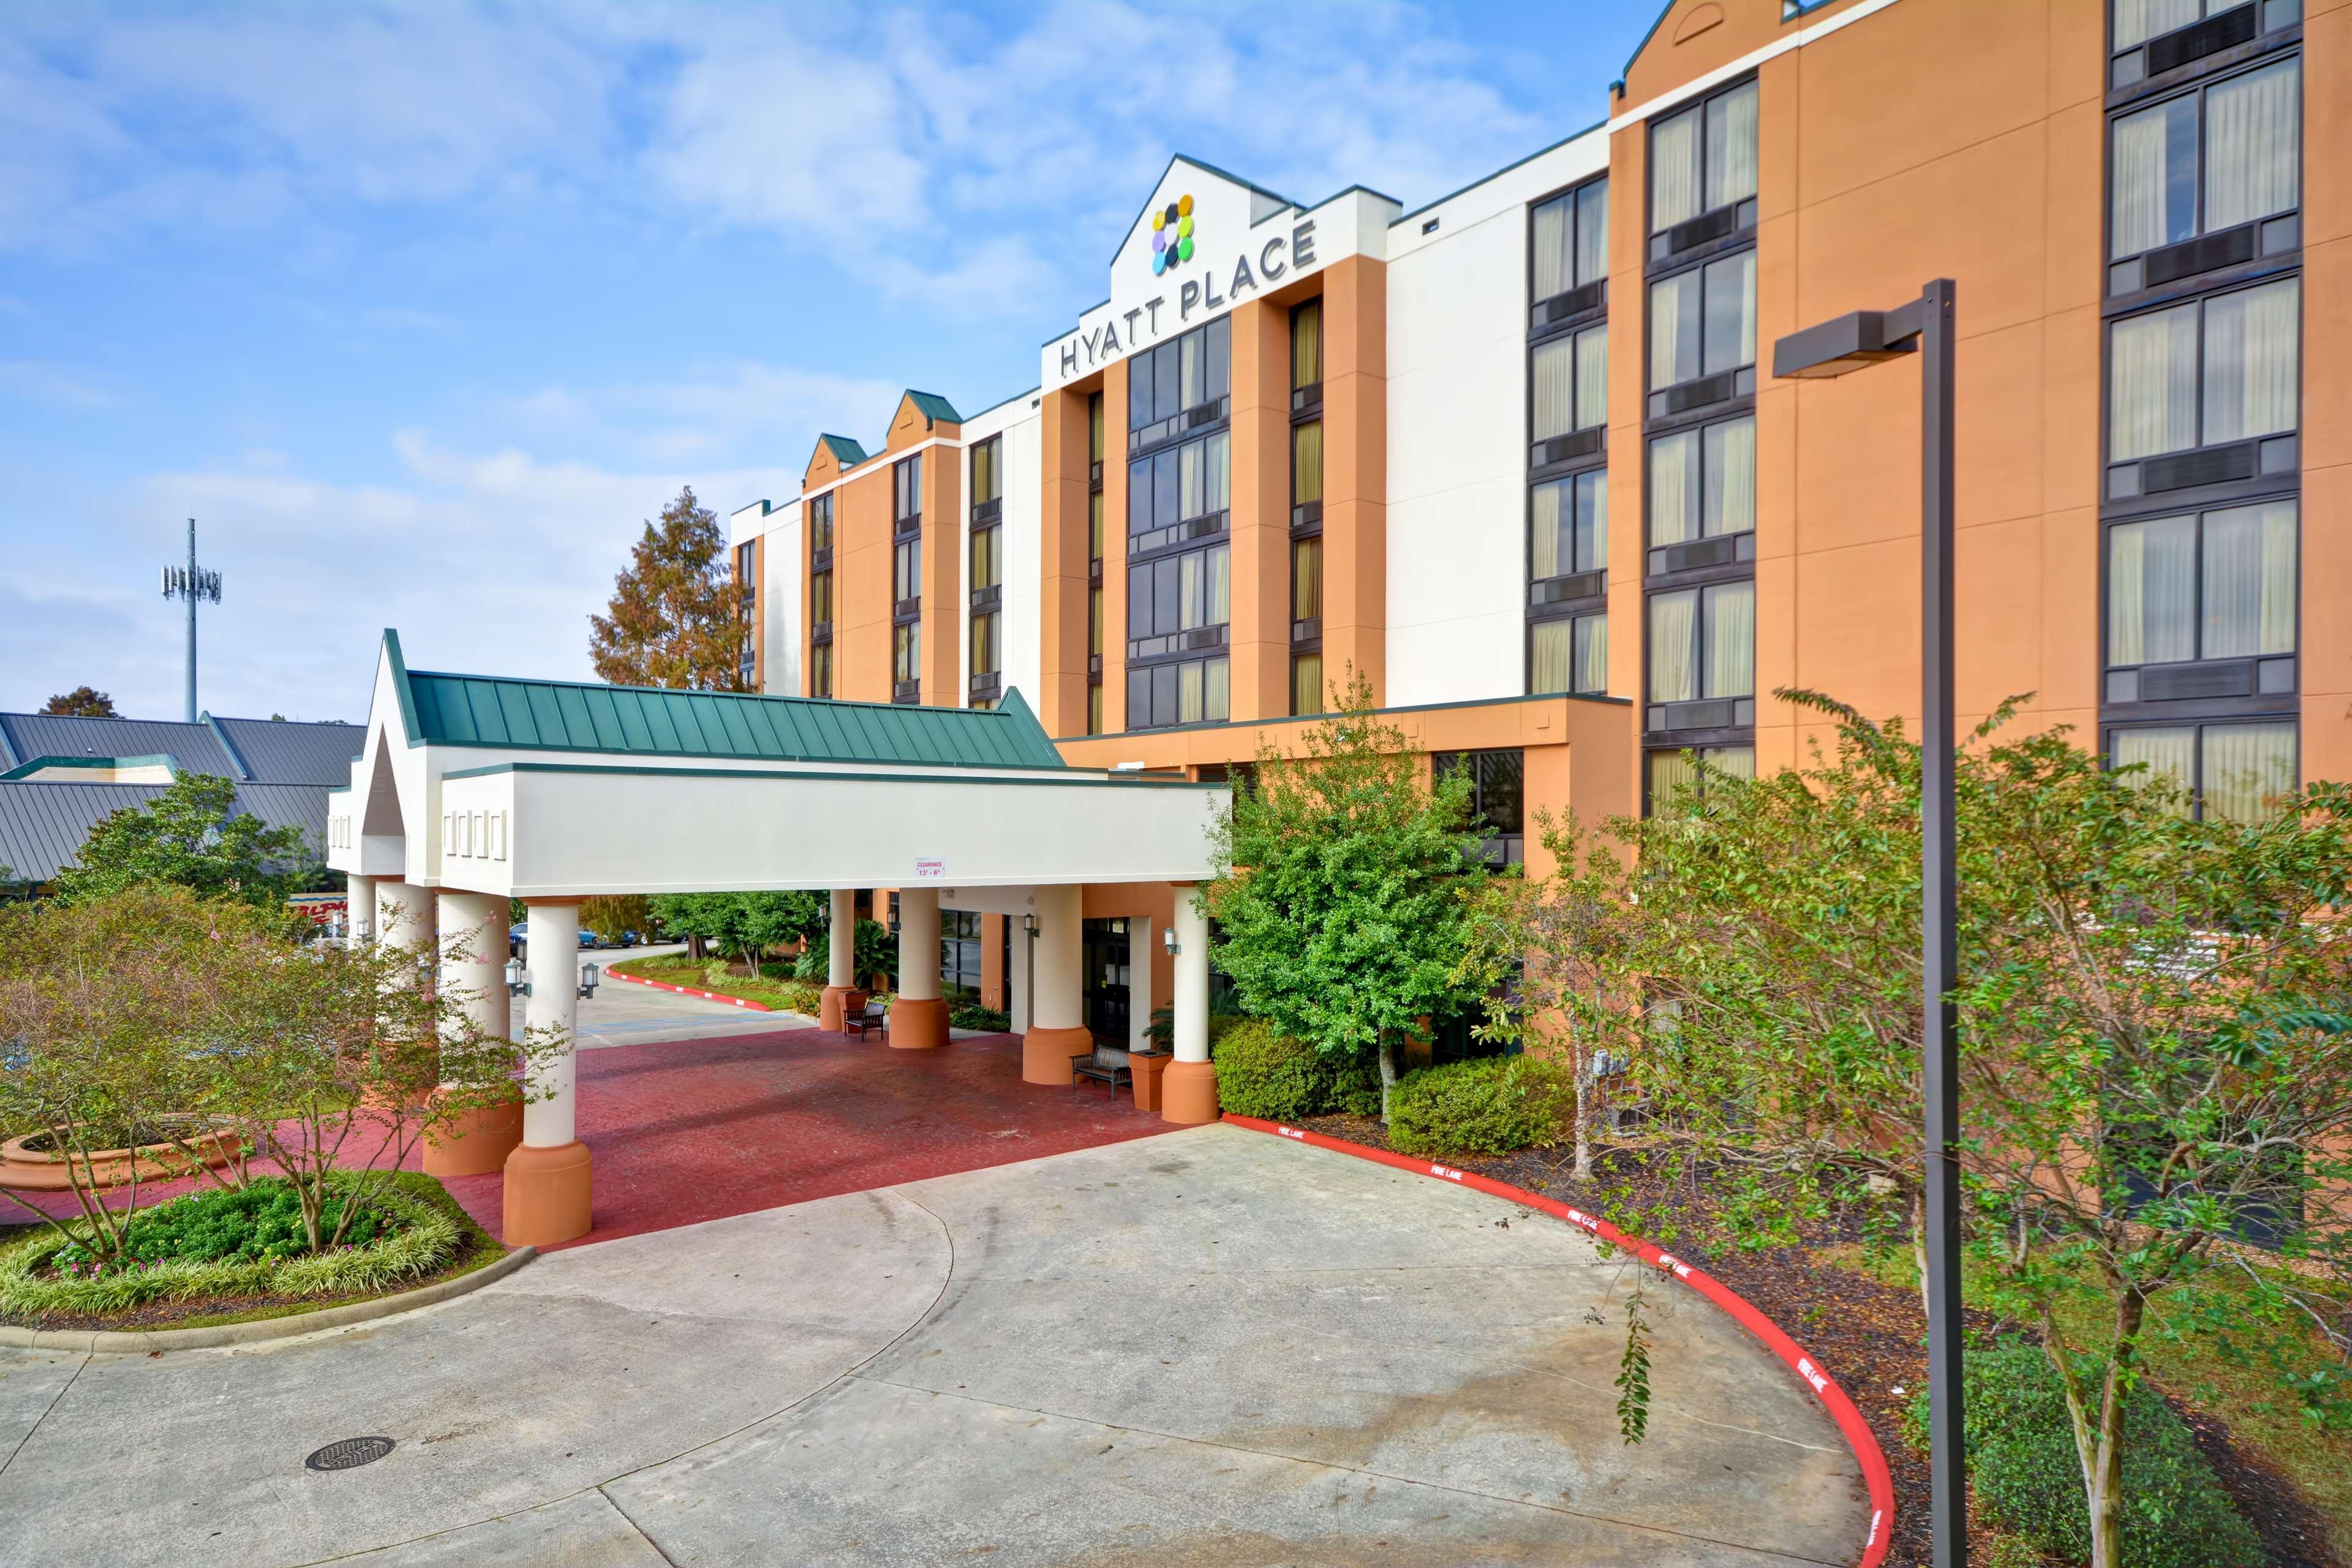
x,y
217,1252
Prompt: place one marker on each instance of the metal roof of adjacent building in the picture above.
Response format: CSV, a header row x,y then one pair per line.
x,y
283,752
44,825
554,715
195,748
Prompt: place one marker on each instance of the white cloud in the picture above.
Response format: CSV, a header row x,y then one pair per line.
x,y
37,381
722,412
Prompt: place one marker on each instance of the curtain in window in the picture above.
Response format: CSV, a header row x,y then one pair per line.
x,y
1673,170
1592,653
1591,521
1306,683
1730,485
1306,336
2249,581
1553,365
2152,591
1550,662
2136,21
1731,639
1551,547
1672,775
1592,378
1306,579
1731,147
2252,145
1732,761
1305,463
1219,471
1592,233
1675,329
2247,767
2251,351
1094,621
1674,489
2154,177
1730,314
1554,259
2169,754
1221,586
1673,625
1217,686
2152,383
1188,694
1193,493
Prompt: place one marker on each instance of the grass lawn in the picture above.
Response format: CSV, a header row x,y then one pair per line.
x,y
2262,1418
775,985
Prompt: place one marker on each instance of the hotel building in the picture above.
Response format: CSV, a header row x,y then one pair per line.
x,y
1516,457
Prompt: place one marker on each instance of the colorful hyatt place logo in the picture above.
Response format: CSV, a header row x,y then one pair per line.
x,y
1171,235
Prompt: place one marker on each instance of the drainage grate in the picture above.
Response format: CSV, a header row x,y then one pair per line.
x,y
349,1453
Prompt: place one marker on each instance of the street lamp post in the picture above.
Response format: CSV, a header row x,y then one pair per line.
x,y
1834,348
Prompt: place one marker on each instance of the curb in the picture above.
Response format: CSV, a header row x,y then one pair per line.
x,y
136,1341
1859,1437
690,991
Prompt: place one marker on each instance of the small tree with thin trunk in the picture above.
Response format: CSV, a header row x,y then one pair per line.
x,y
1345,885
676,613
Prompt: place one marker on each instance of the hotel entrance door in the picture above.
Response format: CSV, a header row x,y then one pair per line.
x,y
1107,957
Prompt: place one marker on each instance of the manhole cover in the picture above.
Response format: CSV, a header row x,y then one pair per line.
x,y
349,1453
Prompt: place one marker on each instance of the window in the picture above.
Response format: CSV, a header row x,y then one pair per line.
x,y
2231,770
1703,321
1305,683
1196,692
985,660
821,601
1306,581
987,558
1178,488
907,652
1094,709
1498,797
1178,593
1571,383
1570,242
2137,21
2201,588
907,571
820,514
1704,159
1703,482
747,573
2214,371
1306,345
960,953
1184,373
1094,525
820,670
988,471
1306,467
1568,529
1679,779
1094,621
2207,163
1569,655
907,482
1702,643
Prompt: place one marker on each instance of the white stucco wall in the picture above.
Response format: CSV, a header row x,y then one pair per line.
x,y
1021,423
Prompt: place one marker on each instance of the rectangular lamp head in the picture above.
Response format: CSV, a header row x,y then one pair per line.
x,y
1837,347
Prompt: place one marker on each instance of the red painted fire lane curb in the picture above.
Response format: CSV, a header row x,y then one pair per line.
x,y
687,991
1858,1435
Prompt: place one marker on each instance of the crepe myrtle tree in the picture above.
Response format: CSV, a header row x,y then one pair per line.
x,y
1346,878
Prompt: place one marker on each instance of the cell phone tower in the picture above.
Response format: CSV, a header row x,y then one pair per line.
x,y
197,585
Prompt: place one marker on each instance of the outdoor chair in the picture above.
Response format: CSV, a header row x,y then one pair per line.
x,y
1106,1065
875,1018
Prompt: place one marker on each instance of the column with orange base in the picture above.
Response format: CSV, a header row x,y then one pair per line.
x,y
842,998
547,1175
473,956
919,1018
1057,1014
1188,1089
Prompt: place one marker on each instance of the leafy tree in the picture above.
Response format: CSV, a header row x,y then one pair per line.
x,y
677,616
1345,887
81,702
193,837
609,918
746,924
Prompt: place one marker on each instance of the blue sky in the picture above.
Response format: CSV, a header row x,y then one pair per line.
x,y
420,310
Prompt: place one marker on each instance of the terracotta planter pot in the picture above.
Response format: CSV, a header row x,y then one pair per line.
x,y
31,1169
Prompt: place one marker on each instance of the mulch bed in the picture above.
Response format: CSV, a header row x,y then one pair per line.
x,y
1872,1338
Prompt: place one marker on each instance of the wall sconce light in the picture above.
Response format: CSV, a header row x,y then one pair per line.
x,y
1167,939
517,978
1029,924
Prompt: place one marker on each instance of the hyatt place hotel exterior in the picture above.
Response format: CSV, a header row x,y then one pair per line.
x,y
1518,457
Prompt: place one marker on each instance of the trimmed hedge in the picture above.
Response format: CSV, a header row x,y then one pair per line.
x,y
1272,1077
2029,1482
420,1237
1488,1105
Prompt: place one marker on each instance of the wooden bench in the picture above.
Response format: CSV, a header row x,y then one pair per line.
x,y
1106,1065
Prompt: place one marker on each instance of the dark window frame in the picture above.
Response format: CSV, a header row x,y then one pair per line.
x,y
1588,297
2265,259
1657,250
1183,533
1185,420
1494,772
1152,676
2284,719
1741,729
906,485
2177,498
2277,24
1567,614
2143,711
1659,401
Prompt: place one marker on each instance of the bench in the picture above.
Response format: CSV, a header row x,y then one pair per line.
x,y
1106,1065
874,1017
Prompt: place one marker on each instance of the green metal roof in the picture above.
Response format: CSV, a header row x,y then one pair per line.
x,y
846,450
633,720
934,406
44,764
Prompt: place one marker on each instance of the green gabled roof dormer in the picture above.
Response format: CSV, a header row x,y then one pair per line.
x,y
934,407
846,450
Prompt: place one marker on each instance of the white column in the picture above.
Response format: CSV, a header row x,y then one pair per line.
x,y
1060,1002
919,944
403,915
477,923
840,968
359,910
1020,973
553,934
1191,929
1140,999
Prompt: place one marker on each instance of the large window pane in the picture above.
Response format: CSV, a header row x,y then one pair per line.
x,y
1731,639
1672,776
2152,592
2249,581
1139,497
1193,494
2152,383
1730,312
1216,690
2168,753
2136,21
1221,586
1306,463
1592,378
1592,233
1674,190
1551,545
1167,488
1554,246
1551,657
1731,147
1674,488
2252,145
1675,329
1166,373
1729,460
1307,342
2250,357
1306,579
2154,178
1218,469
1306,683
2246,768
1592,654
1674,651
1553,365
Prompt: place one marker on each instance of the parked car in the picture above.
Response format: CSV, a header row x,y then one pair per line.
x,y
589,940
516,936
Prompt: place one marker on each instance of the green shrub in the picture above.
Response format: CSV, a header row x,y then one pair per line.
x,y
2029,1482
1267,1075
1489,1105
970,1014
260,1221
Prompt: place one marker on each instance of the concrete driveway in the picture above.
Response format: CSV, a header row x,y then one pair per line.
x,y
624,1015
1211,1347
